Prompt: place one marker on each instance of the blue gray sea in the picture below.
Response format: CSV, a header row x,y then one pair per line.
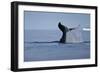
x,y
42,45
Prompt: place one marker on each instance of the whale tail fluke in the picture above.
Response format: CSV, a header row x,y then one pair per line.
x,y
64,30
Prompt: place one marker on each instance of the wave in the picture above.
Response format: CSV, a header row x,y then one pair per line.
x,y
54,42
43,42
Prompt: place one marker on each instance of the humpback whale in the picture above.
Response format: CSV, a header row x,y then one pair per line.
x,y
64,30
74,36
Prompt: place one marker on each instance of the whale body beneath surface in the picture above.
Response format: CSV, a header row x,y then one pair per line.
x,y
70,35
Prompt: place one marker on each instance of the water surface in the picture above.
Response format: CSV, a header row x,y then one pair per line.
x,y
44,46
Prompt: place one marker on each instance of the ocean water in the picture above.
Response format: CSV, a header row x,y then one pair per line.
x,y
40,45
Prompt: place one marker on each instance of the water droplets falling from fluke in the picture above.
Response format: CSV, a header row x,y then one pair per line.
x,y
74,36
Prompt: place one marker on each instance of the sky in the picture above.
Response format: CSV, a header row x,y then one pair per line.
x,y
34,20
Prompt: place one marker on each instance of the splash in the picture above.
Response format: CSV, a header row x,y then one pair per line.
x,y
74,36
